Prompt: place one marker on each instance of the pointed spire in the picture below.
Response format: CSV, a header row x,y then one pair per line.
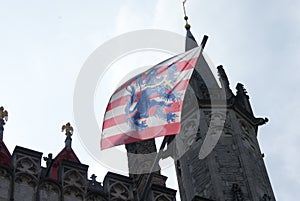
x,y
242,99
69,132
3,119
190,41
224,81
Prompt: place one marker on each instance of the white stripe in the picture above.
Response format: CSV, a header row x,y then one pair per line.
x,y
115,112
180,77
125,128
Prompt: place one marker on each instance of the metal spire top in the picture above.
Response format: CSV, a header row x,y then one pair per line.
x,y
187,25
69,132
3,119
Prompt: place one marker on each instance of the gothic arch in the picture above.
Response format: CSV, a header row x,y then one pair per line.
x,y
119,192
28,166
73,192
95,196
73,185
161,198
26,178
25,182
49,189
73,178
5,172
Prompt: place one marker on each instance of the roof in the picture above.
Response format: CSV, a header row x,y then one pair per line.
x,y
5,156
66,154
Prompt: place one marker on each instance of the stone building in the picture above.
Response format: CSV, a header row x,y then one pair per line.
x,y
234,169
230,168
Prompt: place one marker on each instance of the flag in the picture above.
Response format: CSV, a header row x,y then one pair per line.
x,y
149,105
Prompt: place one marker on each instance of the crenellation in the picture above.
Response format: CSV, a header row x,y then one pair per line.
x,y
25,179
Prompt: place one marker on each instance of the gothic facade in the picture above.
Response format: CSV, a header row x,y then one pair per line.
x,y
222,158
216,155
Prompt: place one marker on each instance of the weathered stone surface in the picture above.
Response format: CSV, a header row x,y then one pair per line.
x,y
234,170
5,182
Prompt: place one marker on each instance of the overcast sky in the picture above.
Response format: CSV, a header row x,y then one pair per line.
x,y
43,45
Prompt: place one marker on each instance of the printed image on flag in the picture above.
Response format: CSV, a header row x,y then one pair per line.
x,y
149,105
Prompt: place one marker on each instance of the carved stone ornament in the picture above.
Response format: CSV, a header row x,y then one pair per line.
x,y
162,198
3,114
237,193
119,192
49,191
73,178
95,197
73,194
265,197
187,136
4,174
48,186
27,166
26,179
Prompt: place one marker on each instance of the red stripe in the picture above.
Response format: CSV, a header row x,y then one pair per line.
x,y
153,132
116,103
120,119
182,85
182,66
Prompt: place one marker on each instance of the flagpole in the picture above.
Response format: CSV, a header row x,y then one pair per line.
x,y
164,142
156,159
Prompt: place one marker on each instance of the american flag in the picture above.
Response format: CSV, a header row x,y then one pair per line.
x,y
149,105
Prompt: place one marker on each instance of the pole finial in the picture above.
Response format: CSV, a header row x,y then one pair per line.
x,y
69,132
187,25
3,119
3,114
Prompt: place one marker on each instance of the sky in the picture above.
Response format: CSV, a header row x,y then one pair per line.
x,y
44,44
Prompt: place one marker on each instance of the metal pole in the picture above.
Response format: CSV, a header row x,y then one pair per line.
x,y
164,142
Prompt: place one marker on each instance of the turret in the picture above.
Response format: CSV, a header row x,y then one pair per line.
x,y
222,158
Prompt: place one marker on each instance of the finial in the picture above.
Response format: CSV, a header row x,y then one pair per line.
x,y
241,91
223,77
187,25
69,132
93,177
3,119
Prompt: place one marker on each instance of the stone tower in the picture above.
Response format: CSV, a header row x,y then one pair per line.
x,y
221,159
217,155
